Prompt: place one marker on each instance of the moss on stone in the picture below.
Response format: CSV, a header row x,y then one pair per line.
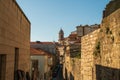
x,y
97,49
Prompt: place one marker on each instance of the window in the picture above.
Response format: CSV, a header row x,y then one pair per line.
x,y
2,66
35,64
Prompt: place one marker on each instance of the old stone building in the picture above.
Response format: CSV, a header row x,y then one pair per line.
x,y
86,29
100,59
88,44
14,41
61,37
72,52
71,49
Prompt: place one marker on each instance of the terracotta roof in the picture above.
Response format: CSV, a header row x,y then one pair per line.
x,y
38,42
72,35
45,46
34,51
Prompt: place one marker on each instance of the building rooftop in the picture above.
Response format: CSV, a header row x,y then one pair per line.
x,y
39,42
49,47
34,51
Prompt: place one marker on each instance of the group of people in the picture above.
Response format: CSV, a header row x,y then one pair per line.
x,y
21,75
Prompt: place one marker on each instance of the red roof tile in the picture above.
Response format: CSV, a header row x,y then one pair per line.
x,y
41,42
34,51
72,35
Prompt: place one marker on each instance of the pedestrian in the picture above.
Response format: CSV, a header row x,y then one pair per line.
x,y
27,76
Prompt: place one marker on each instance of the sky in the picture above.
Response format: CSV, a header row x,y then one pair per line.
x,y
47,17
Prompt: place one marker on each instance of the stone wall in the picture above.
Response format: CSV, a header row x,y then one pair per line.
x,y
110,46
66,67
87,57
100,59
72,69
75,69
14,34
100,50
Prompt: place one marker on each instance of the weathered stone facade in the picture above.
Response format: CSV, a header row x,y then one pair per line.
x,y
75,69
73,51
110,46
87,58
100,50
72,68
100,59
14,39
86,29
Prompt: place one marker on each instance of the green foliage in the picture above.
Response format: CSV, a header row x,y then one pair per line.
x,y
78,55
107,30
97,49
112,38
110,32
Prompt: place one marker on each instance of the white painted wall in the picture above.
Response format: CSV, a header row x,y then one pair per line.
x,y
42,64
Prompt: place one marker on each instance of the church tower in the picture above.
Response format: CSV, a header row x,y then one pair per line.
x,y
61,35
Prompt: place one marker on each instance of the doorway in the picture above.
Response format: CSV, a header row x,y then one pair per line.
x,y
2,66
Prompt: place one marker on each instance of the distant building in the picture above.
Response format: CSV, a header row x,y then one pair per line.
x,y
75,36
111,7
41,64
86,29
43,59
71,45
61,34
46,46
60,50
61,37
14,41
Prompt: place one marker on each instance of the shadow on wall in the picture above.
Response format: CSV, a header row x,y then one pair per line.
x,y
107,73
66,74
71,76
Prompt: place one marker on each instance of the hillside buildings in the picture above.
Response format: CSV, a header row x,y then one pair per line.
x,y
99,48
91,52
86,29
14,41
71,46
100,58
74,39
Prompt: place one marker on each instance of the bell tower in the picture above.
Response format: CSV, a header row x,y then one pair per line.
x,y
61,34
